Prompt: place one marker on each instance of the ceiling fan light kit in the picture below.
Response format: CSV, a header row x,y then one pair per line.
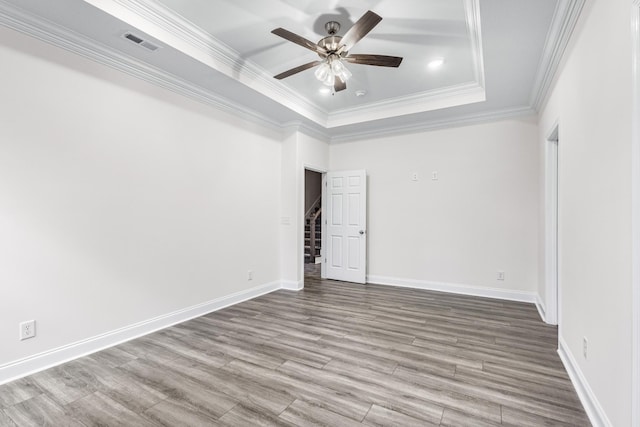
x,y
333,51
331,69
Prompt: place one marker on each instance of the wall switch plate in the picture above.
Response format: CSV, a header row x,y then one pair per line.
x,y
434,176
500,275
585,345
27,329
250,275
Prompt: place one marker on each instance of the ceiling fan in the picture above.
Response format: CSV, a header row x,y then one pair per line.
x,y
333,51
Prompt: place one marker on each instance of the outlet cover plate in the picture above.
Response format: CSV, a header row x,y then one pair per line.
x,y
27,329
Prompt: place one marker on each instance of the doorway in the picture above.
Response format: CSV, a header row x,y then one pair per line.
x,y
552,292
312,223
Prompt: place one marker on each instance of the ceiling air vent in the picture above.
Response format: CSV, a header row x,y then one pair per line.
x,y
140,41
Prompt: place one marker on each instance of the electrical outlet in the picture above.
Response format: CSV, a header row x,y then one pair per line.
x,y
585,344
500,275
250,275
414,176
27,329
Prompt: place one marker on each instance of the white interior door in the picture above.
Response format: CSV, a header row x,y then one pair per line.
x,y
346,226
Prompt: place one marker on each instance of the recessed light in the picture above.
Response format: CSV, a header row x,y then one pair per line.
x,y
325,91
361,92
435,63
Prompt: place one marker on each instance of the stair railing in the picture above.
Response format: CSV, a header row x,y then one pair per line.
x,y
312,215
312,234
315,205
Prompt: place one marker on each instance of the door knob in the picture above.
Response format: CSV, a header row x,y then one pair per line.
x,y
361,232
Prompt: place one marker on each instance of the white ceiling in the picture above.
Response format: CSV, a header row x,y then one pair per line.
x,y
498,55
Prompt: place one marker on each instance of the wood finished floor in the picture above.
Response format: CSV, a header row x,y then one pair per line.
x,y
334,354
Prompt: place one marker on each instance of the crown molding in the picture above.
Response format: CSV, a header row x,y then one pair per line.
x,y
466,120
465,93
472,11
27,23
173,30
298,126
564,21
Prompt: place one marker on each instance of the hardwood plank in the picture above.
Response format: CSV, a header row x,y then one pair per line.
x,y
274,326
436,398
380,416
276,350
5,421
238,349
119,387
182,389
515,418
18,391
453,418
342,402
408,355
305,413
194,345
40,411
60,386
260,394
557,378
97,409
333,351
243,415
561,397
367,385
499,396
112,357
172,413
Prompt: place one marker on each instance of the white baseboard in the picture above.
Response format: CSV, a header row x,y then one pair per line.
x,y
591,405
38,362
455,288
541,309
291,285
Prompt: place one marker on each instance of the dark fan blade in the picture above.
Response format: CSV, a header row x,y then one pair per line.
x,y
292,37
360,29
339,85
296,70
379,60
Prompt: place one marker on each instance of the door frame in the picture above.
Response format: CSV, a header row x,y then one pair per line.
x,y
551,237
322,171
635,211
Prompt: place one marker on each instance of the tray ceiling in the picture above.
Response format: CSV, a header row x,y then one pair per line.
x,y
494,54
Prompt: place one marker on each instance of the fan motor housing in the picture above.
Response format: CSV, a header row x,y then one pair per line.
x,y
330,43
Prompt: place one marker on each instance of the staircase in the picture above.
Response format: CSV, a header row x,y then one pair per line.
x,y
312,233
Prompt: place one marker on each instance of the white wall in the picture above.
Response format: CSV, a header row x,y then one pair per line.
x,y
479,217
592,102
120,201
